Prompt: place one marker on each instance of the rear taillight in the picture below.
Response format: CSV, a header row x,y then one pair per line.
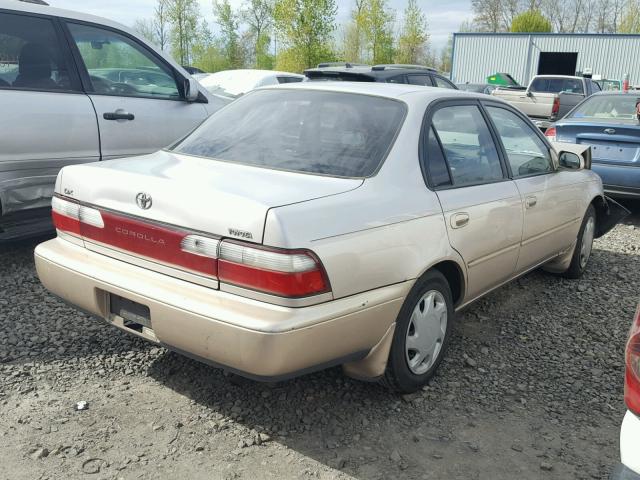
x,y
632,374
550,133
69,216
556,107
286,273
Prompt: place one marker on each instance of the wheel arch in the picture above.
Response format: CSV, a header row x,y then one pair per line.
x,y
454,274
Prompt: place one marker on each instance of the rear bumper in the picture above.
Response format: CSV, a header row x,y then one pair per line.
x,y
256,339
619,180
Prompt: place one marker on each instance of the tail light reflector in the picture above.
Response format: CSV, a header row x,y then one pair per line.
x,y
632,373
287,273
556,107
550,133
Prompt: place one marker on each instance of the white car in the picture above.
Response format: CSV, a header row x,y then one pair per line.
x,y
230,84
629,468
75,88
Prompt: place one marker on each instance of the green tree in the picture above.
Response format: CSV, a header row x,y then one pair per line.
x,y
258,15
531,21
630,22
305,28
378,20
354,38
228,21
412,44
183,15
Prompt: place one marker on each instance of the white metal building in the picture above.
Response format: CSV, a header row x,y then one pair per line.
x,y
524,55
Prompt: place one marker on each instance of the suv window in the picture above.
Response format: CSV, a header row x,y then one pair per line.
x,y
468,146
442,83
423,80
330,133
117,65
30,55
526,152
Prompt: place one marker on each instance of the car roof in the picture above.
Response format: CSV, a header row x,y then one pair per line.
x,y
375,71
60,12
560,76
399,91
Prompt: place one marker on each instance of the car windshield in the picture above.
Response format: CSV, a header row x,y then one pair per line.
x,y
620,107
330,133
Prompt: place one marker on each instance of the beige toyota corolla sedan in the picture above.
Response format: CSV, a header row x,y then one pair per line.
x,y
313,225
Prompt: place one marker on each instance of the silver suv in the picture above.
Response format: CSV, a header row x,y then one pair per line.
x,y
75,88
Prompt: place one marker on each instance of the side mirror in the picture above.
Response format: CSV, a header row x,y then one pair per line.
x,y
191,91
529,93
570,161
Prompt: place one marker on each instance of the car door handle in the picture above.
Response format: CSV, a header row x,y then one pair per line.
x,y
530,202
459,220
118,115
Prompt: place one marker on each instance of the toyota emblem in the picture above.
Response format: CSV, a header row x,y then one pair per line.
x,y
144,200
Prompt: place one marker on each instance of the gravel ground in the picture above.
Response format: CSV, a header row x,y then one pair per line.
x,y
531,388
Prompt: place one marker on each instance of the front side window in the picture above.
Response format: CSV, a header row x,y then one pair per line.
x,y
468,146
119,66
526,152
330,133
30,55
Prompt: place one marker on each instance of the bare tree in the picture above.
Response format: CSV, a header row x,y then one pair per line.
x,y
488,15
161,24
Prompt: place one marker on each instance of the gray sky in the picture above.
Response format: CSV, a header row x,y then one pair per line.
x,y
443,17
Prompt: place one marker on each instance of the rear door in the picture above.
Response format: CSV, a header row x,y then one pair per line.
x,y
482,207
137,95
46,122
549,196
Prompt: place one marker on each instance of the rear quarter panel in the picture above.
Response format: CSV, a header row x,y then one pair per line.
x,y
389,230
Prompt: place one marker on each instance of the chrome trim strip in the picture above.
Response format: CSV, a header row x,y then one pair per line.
x,y
549,232
480,260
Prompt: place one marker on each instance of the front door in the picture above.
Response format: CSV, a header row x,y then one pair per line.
x,y
482,207
550,197
136,94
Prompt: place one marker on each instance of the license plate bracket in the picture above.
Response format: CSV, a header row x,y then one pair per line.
x,y
130,311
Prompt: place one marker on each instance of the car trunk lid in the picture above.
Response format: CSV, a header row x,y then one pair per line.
x,y
611,143
198,194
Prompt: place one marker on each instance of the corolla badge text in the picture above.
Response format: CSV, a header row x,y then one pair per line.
x,y
140,236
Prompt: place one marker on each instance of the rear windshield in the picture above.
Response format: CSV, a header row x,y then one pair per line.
x,y
339,134
557,85
619,107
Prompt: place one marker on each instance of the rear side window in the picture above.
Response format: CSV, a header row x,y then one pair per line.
x,y
468,145
436,164
423,80
30,55
442,83
330,133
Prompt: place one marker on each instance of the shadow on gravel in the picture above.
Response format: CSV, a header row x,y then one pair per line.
x,y
541,344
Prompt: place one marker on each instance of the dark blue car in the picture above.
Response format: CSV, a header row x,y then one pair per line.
x,y
609,123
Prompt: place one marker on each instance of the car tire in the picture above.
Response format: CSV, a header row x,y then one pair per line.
x,y
421,336
584,245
